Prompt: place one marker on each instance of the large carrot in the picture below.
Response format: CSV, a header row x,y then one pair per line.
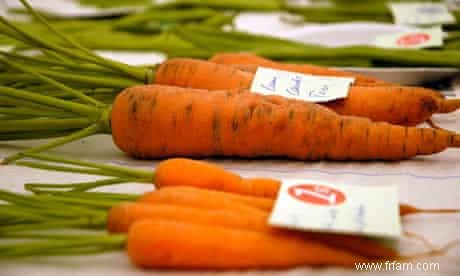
x,y
155,121
394,104
254,61
150,122
122,216
171,244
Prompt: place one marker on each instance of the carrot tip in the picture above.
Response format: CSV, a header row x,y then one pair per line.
x,y
448,106
456,141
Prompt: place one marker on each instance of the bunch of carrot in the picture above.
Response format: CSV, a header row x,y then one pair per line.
x,y
148,121
194,220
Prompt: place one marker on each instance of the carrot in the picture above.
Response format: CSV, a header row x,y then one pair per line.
x,y
151,122
198,198
211,193
185,192
200,74
122,216
405,209
171,244
252,61
401,105
393,104
214,176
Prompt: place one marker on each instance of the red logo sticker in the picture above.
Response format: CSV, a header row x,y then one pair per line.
x,y
317,194
413,39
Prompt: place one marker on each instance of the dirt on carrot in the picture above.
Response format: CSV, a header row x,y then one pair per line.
x,y
152,122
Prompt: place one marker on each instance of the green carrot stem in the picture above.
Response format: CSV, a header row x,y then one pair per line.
x,y
11,101
29,111
37,134
43,205
58,61
26,37
101,81
137,73
88,131
10,77
43,124
42,166
71,246
84,222
83,186
50,101
18,211
58,85
139,174
101,195
100,204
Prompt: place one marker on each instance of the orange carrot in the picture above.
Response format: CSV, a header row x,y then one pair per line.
x,y
392,104
250,63
153,121
193,73
123,216
172,244
187,193
406,209
198,198
256,192
214,176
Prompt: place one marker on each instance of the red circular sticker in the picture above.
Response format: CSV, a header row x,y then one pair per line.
x,y
413,39
317,194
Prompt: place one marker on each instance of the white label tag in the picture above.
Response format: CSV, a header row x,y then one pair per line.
x,y
299,86
418,39
421,13
350,209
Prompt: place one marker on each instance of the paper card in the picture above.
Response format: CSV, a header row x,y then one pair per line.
x,y
348,209
421,13
416,39
299,86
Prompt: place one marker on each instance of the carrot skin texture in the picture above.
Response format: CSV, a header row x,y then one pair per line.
x,y
199,198
193,73
254,61
151,122
389,103
122,216
170,244
216,178
170,193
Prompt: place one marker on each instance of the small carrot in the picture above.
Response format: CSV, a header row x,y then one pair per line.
x,y
122,216
198,198
186,192
256,192
252,61
151,122
401,105
216,176
172,244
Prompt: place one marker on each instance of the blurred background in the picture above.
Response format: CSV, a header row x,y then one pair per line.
x,y
366,36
